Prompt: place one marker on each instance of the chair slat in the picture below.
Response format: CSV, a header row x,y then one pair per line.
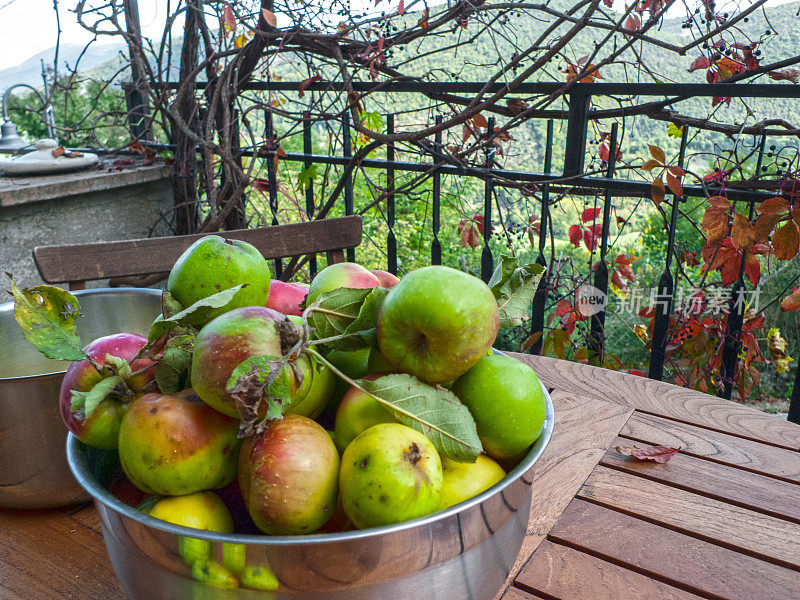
x,y
101,260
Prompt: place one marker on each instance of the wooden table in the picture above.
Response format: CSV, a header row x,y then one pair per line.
x,y
720,520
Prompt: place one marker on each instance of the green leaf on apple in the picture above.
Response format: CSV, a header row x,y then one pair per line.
x,y
89,401
121,366
192,315
169,305
172,370
350,315
47,316
514,286
434,411
255,381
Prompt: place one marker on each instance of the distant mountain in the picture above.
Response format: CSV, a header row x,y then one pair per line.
x,y
30,70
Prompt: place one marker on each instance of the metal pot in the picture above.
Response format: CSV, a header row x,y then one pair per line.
x,y
464,552
33,469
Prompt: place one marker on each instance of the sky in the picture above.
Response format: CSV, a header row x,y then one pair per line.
x,y
29,26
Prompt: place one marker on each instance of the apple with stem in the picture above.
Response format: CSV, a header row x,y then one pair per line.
x,y
437,322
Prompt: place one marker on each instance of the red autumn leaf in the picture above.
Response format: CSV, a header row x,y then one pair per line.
x,y
715,223
750,61
657,190
752,269
792,75
742,232
590,214
470,237
648,312
605,153
301,89
228,19
651,164
729,262
401,8
616,280
792,302
575,234
659,454
676,170
480,121
657,153
590,239
58,151
774,206
633,23
269,17
563,307
703,62
608,3
621,221
720,99
423,20
636,372
622,259
786,241
675,185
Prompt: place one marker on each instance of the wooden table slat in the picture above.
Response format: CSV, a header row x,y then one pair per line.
x,y
581,435
713,445
664,399
561,572
760,535
722,482
673,557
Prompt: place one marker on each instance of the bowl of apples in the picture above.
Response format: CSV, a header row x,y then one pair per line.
x,y
354,438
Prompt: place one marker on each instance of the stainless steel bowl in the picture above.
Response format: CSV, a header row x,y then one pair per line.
x,y
464,552
33,468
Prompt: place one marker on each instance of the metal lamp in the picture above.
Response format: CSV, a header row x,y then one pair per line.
x,y
10,140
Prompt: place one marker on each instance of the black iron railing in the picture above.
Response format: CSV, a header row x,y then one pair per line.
x,y
578,115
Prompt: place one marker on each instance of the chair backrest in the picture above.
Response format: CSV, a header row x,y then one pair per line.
x,y
77,263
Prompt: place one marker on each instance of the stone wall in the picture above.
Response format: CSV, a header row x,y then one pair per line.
x,y
92,206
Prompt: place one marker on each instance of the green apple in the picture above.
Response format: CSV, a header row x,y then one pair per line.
x,y
357,412
213,264
377,362
341,275
389,474
507,402
314,391
437,322
465,480
353,364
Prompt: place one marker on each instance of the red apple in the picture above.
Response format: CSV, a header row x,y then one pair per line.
x,y
177,444
387,279
100,429
286,297
341,275
437,322
225,343
289,476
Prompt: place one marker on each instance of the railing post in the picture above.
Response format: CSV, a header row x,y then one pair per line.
x,y
348,183
487,261
794,402
596,345
575,150
307,150
666,286
539,299
272,182
732,342
391,240
436,246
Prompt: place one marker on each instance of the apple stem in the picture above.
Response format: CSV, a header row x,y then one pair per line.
x,y
336,338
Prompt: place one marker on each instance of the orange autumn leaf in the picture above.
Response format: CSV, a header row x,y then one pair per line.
x,y
774,206
228,19
269,17
786,241
792,75
657,190
657,153
742,233
791,302
675,185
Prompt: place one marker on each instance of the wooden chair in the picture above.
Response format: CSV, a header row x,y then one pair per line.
x,y
76,264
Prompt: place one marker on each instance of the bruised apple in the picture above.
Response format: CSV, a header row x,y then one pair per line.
x,y
289,476
226,342
101,428
177,444
390,474
387,279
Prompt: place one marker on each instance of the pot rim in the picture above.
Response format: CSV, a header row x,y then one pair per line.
x,y
80,469
9,307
